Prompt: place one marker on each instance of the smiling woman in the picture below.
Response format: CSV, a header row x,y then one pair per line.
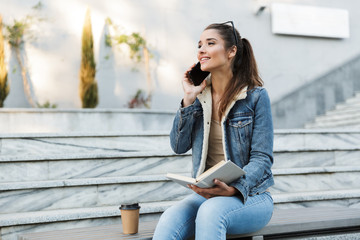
x,y
227,116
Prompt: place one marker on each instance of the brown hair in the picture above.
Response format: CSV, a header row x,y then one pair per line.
x,y
244,67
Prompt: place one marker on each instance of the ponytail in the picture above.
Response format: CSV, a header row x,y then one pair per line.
x,y
244,67
248,70
245,74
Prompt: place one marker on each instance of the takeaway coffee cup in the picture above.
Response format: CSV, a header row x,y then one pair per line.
x,y
130,218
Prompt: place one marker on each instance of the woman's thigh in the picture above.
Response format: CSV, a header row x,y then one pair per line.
x,y
178,221
228,215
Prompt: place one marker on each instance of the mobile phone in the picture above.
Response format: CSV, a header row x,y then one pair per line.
x,y
196,75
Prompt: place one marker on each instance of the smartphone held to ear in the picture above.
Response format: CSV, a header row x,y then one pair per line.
x,y
196,75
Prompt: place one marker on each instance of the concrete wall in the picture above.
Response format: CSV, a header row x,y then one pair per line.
x,y
315,98
172,29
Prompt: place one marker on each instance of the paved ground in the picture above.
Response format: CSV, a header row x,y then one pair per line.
x,y
349,236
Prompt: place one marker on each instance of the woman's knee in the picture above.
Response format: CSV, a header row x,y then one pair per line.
x,y
178,221
210,211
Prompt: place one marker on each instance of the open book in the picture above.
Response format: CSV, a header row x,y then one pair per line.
x,y
225,171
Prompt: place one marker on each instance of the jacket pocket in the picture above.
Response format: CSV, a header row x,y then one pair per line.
x,y
242,125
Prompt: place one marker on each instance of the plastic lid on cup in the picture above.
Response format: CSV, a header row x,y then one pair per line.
x,y
133,206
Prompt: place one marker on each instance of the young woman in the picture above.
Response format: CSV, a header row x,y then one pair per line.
x,y
227,117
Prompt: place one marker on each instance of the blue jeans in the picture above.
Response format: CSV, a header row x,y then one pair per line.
x,y
214,218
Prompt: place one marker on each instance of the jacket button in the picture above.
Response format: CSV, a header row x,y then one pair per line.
x,y
204,101
208,123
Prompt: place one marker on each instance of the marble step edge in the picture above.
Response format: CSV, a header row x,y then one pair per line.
x,y
150,133
10,186
338,112
316,196
13,219
151,154
23,185
314,170
351,101
161,133
304,131
345,108
83,110
147,133
348,123
86,156
337,117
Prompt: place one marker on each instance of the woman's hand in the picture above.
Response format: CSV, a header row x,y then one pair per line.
x,y
190,90
220,189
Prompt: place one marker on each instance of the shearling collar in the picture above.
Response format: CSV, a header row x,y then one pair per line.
x,y
205,99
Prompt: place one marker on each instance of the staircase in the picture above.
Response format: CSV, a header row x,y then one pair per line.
x,y
51,181
345,115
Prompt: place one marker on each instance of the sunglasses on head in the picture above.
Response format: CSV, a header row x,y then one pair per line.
x,y
233,28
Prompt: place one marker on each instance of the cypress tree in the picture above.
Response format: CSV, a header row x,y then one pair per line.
x,y
4,87
88,86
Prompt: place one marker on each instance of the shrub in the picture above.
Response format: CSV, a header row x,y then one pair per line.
x,y
88,86
4,87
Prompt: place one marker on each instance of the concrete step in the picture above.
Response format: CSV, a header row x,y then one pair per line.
x,y
350,103
340,112
297,180
19,223
60,146
292,140
27,146
78,193
322,158
83,120
331,198
97,192
14,224
345,115
124,164
346,123
91,166
292,148
353,115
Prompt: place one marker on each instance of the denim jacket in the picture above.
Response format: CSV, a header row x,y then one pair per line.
x,y
247,132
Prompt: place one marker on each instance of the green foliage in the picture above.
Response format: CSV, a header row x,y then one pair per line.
x,y
138,51
47,104
17,31
88,86
134,41
4,87
139,100
19,28
108,41
38,6
15,37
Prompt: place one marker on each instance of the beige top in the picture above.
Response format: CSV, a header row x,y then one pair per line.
x,y
216,150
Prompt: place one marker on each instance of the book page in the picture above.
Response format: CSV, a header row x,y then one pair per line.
x,y
210,170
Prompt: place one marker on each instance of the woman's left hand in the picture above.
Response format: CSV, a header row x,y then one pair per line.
x,y
220,189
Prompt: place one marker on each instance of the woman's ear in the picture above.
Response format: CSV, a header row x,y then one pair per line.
x,y
232,52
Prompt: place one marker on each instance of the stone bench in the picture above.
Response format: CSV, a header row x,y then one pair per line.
x,y
285,222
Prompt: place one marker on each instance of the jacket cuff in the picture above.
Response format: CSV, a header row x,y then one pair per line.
x,y
185,111
243,188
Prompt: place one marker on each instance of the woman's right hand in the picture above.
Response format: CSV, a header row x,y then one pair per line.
x,y
190,90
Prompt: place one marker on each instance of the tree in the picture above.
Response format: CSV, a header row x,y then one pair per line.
x,y
88,86
4,87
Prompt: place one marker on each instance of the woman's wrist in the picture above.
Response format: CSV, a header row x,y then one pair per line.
x,y
188,100
234,191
